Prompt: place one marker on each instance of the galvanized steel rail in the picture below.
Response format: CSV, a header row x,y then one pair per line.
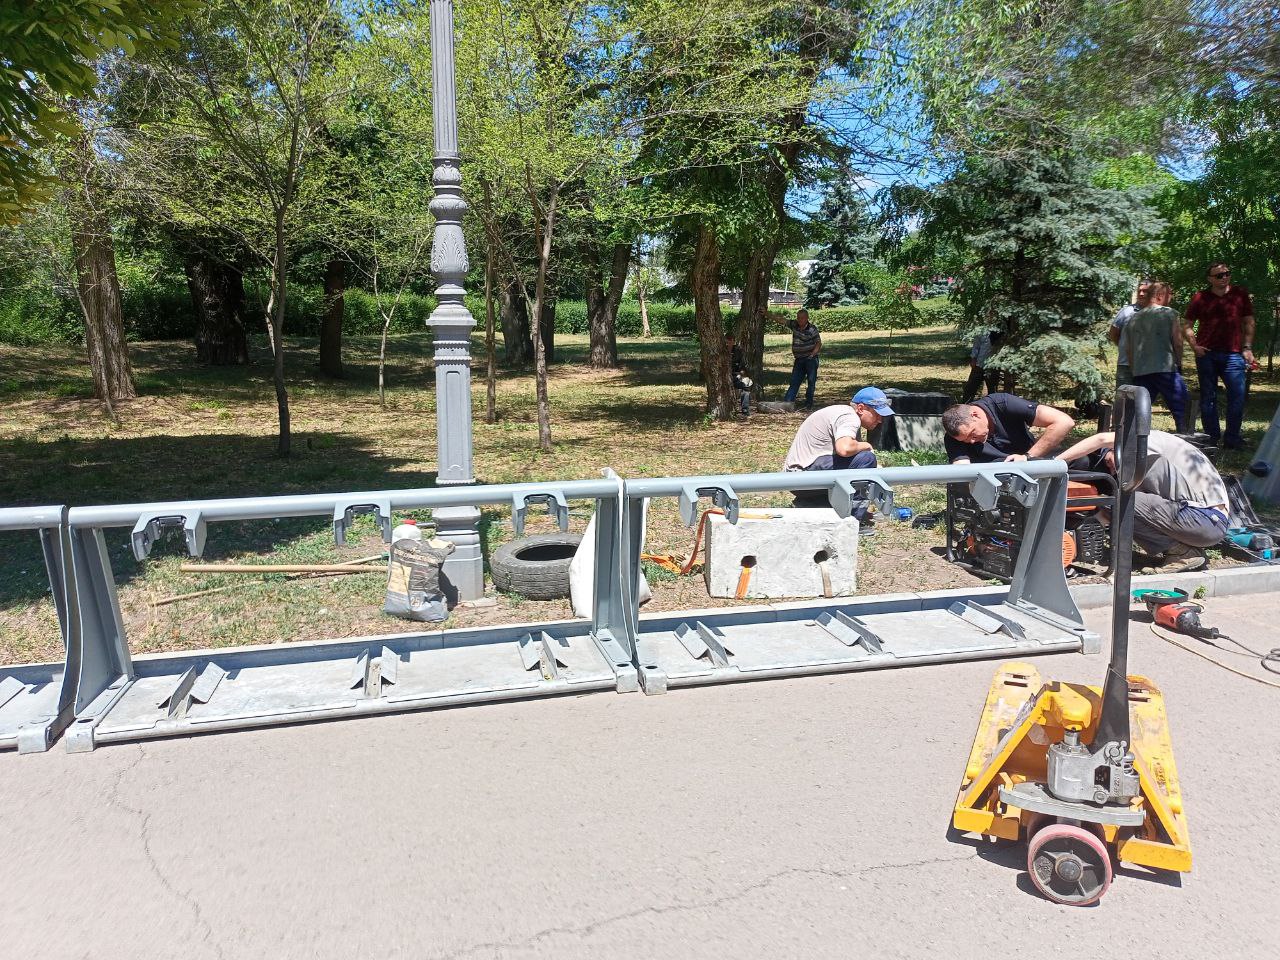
x,y
114,697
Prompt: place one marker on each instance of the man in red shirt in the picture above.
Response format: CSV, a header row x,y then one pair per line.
x,y
1219,327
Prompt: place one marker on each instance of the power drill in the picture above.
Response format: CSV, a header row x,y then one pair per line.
x,y
1183,618
1174,610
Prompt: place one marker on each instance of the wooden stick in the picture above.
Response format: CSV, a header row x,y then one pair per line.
x,y
165,601
265,568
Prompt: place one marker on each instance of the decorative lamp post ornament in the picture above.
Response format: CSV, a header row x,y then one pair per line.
x,y
451,322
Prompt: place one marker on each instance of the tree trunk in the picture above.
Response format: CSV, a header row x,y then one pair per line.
x,y
704,283
217,296
613,297
539,310
517,337
491,371
335,286
644,313
279,273
752,315
98,288
755,307
547,322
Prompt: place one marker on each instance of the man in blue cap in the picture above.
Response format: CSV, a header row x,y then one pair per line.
x,y
831,439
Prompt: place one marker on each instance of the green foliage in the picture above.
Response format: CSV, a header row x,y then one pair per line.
x,y
1039,251
49,48
849,239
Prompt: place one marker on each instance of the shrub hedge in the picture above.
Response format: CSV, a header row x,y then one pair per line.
x,y
164,312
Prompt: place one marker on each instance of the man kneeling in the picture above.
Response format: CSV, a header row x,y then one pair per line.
x,y
831,439
1180,507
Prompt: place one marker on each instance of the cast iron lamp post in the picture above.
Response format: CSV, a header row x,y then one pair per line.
x,y
451,323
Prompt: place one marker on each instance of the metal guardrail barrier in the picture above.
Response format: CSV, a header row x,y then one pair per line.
x,y
1037,616
115,697
38,701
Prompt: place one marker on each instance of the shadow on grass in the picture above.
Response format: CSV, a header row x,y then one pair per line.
x,y
162,468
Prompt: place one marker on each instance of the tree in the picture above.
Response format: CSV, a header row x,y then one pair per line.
x,y
246,98
1039,251
849,238
50,51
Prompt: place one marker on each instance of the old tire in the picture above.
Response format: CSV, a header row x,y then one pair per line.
x,y
535,567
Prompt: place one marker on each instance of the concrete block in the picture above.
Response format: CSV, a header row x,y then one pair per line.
x,y
786,554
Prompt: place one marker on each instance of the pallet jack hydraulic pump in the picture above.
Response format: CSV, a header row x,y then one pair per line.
x,y
1082,774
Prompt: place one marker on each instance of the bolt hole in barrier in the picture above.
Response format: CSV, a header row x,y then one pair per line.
x,y
116,697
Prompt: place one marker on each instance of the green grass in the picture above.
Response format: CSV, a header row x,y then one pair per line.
x,y
198,432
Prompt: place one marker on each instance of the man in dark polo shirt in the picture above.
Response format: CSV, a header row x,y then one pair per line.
x,y
1219,327
998,427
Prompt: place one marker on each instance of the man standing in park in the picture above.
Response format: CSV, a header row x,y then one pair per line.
x,y
1154,351
831,439
1117,332
997,427
806,344
1219,327
980,370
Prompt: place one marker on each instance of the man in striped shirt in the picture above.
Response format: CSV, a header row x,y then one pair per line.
x,y
806,344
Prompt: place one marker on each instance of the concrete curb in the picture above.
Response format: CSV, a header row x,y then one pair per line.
x,y
1225,582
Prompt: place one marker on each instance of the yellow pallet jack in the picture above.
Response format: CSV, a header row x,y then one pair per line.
x,y
1082,773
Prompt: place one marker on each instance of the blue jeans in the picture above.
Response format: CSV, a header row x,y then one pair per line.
x,y
803,367
1172,388
1230,368
864,460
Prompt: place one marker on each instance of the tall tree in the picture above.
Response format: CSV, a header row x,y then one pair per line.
x,y
849,237
1039,250
97,285
246,94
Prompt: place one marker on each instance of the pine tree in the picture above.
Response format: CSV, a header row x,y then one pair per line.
x,y
1039,250
849,238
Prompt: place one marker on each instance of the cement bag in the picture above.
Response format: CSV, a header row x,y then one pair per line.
x,y
413,580
582,569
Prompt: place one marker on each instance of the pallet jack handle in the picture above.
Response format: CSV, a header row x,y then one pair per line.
x,y
1132,415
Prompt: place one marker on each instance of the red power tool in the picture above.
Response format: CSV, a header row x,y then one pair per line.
x,y
1173,610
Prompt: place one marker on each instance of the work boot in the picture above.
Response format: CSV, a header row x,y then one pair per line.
x,y
1181,558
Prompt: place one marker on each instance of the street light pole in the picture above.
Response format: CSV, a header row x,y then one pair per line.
x,y
451,322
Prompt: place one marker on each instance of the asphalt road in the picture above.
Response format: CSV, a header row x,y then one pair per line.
x,y
803,818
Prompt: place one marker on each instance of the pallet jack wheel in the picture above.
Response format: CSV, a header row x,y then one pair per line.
x,y
1069,864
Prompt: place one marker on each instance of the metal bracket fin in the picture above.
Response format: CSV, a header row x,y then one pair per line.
x,y
150,528
191,688
986,619
851,631
846,494
372,669
702,640
540,650
721,494
557,507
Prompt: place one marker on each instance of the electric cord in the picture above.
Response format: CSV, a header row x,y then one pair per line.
x,y
1270,661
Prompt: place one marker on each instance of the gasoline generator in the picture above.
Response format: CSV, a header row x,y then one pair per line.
x,y
988,541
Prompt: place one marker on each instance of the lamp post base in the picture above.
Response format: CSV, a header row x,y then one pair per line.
x,y
462,576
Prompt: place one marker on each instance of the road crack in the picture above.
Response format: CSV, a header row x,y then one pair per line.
x,y
144,829
586,930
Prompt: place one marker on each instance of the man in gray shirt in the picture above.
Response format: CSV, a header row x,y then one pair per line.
x,y
1153,345
831,439
1116,334
1181,506
806,344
